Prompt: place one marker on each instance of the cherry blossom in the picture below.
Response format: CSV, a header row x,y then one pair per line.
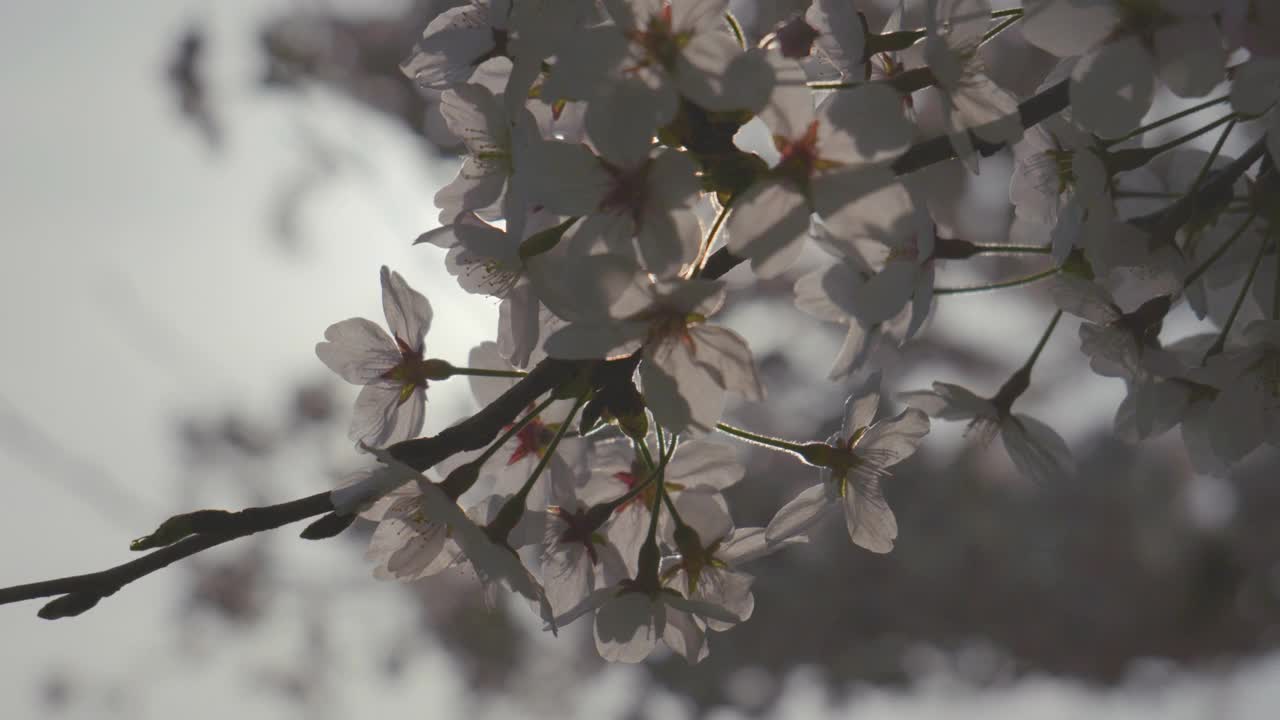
x,y
847,292
1123,46
971,102
830,162
1036,450
629,203
703,466
390,367
687,363
856,462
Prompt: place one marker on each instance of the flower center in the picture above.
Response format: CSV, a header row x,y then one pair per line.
x,y
532,439
579,528
659,44
410,373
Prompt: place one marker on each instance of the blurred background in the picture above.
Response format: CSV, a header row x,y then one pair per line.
x,y
192,191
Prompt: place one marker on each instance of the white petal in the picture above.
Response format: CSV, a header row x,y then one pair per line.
x,y
867,516
380,419
800,514
698,607
864,124
705,464
571,180
682,395
1038,451
705,512
626,628
891,441
582,341
727,358
407,310
1112,88
1066,28
358,350
860,408
685,637
767,225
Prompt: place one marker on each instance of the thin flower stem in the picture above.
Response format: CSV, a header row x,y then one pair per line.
x,y
1044,339
1011,12
1152,194
1275,285
1013,249
1009,20
1221,341
1213,155
997,286
1166,120
705,250
1191,135
1222,249
649,560
736,28
485,372
516,427
551,447
643,449
671,508
762,440
905,82
511,511
640,487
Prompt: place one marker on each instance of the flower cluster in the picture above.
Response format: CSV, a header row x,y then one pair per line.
x,y
606,189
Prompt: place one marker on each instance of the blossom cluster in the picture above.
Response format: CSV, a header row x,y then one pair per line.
x,y
604,178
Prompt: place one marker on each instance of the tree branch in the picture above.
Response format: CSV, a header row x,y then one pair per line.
x,y
81,592
209,528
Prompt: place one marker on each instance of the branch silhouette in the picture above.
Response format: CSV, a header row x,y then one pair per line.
x,y
204,529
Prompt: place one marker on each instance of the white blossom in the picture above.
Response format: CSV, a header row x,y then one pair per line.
x,y
861,454
390,407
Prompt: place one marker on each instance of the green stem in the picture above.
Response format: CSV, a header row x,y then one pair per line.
x,y
510,512
1044,339
1119,194
736,28
516,427
774,443
1191,135
643,450
1221,341
997,286
640,487
1213,155
705,250
1013,249
1011,12
1222,249
905,82
1166,120
1009,20
647,563
484,372
1275,285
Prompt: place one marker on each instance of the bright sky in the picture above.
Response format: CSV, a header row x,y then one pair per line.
x,y
140,279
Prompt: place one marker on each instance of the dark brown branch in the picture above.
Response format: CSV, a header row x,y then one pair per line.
x,y
204,529
211,528
81,592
